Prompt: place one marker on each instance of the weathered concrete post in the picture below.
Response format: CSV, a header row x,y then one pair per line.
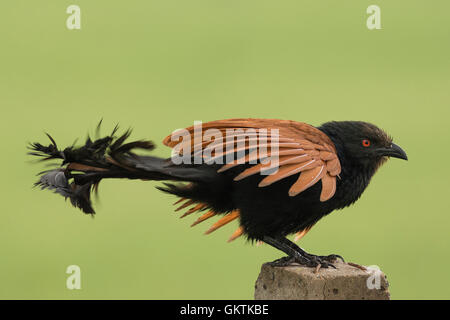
x,y
300,283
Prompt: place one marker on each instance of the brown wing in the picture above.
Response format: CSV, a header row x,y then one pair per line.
x,y
301,149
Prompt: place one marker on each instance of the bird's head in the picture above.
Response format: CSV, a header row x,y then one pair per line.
x,y
362,142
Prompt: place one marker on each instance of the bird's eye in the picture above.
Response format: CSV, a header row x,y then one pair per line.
x,y
366,143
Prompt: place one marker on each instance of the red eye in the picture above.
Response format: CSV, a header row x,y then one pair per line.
x,y
366,143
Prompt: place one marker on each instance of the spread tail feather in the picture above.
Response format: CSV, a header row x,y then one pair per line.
x,y
83,168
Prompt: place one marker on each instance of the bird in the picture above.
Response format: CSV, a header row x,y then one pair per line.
x,y
276,177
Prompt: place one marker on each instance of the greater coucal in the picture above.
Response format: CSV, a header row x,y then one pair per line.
x,y
317,170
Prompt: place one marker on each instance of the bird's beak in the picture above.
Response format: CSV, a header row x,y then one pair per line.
x,y
394,151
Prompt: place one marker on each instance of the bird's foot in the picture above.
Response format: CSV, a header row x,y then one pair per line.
x,y
311,261
283,262
329,258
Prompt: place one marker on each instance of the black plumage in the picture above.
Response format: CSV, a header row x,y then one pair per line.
x,y
342,155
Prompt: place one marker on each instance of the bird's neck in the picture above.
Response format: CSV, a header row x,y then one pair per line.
x,y
352,181
354,177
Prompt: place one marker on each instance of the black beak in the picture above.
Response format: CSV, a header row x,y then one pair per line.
x,y
394,151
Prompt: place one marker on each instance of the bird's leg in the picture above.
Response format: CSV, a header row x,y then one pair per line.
x,y
292,255
295,254
329,258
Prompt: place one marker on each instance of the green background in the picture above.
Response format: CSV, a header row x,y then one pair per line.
x,y
160,65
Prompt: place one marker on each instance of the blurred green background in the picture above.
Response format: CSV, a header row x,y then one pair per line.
x,y
160,65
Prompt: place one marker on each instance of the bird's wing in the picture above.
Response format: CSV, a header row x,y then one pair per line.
x,y
302,149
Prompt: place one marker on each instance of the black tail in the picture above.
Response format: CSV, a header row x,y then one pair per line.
x,y
83,168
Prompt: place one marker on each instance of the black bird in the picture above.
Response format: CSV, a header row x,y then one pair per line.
x,y
277,177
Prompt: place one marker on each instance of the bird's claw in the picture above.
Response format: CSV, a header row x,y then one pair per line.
x,y
331,258
308,261
282,262
318,263
289,260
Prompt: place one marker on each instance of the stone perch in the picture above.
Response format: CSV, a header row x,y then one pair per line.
x,y
301,283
